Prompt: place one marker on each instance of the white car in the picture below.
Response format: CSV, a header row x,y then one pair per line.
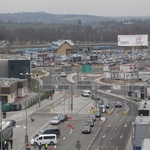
x,y
55,121
88,91
63,74
85,93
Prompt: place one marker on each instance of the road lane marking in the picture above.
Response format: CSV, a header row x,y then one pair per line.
x,y
94,138
104,136
125,125
121,136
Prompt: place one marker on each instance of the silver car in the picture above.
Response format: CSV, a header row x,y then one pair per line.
x,y
55,121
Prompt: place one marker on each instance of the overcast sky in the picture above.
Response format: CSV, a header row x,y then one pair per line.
x,y
89,7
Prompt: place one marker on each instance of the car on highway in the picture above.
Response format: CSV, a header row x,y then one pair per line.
x,y
102,108
55,121
97,113
90,122
93,116
106,103
63,117
118,104
88,91
86,129
63,74
95,97
85,93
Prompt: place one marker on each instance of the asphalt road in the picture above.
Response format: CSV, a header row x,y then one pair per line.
x,y
110,135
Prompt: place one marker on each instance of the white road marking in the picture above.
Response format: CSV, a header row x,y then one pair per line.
x,y
109,125
104,136
125,125
121,136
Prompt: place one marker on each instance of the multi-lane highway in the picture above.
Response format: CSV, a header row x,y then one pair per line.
x,y
113,134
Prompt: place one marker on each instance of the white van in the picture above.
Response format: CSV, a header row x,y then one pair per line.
x,y
50,139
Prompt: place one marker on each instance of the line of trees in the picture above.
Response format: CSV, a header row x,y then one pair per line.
x,y
105,31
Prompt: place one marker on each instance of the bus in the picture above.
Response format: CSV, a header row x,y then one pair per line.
x,y
6,130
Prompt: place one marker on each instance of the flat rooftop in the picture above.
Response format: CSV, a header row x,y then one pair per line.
x,y
144,120
6,82
143,106
12,57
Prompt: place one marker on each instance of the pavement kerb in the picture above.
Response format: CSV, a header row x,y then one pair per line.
x,y
21,114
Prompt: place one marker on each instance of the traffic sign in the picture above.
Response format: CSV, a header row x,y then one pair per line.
x,y
63,87
86,69
93,57
84,87
48,86
83,82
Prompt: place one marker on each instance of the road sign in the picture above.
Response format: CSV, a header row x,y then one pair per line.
x,y
86,69
116,87
48,86
84,87
63,87
83,82
93,57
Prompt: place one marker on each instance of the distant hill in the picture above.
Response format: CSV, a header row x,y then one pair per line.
x,y
42,17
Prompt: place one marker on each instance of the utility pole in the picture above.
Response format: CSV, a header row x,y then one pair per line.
x,y
124,85
95,96
1,119
77,72
51,89
71,97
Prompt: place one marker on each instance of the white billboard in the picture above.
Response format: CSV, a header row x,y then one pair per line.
x,y
133,40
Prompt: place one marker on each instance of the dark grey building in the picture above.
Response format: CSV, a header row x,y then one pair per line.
x,y
11,66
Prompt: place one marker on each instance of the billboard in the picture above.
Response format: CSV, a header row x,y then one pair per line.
x,y
133,40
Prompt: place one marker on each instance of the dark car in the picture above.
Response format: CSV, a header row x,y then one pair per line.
x,y
86,129
49,131
63,117
118,104
13,122
95,97
90,122
93,116
97,114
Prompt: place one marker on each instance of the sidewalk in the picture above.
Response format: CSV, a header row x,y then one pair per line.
x,y
20,115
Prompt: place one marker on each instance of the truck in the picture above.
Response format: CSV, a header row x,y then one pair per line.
x,y
6,131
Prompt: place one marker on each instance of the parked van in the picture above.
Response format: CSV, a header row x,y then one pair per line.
x,y
50,139
49,131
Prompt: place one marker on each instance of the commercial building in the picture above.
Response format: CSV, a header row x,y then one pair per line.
x,y
12,66
141,126
146,144
12,88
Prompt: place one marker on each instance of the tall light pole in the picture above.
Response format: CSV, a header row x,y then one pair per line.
x,y
26,133
26,121
1,119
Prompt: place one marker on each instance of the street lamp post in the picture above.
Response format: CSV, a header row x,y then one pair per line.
x,y
1,121
26,133
26,121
